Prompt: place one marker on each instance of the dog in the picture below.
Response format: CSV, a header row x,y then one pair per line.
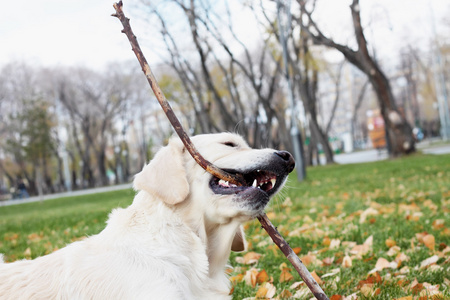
x,y
173,241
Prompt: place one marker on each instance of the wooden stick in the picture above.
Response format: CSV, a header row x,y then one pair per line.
x,y
292,257
215,171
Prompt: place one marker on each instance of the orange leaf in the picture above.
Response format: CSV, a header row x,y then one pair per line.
x,y
250,277
251,258
389,243
285,294
429,241
336,297
261,292
286,276
262,277
297,250
316,277
237,278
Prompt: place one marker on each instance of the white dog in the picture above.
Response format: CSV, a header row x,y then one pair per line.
x,y
173,242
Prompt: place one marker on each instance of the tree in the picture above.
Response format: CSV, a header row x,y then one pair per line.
x,y
227,88
398,132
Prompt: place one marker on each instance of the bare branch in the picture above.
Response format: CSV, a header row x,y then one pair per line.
x,y
292,257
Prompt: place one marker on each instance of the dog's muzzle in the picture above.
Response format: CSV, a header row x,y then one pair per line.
x,y
261,182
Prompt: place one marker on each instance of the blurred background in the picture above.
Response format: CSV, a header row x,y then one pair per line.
x,y
317,78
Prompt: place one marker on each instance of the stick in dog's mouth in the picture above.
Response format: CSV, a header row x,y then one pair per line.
x,y
265,181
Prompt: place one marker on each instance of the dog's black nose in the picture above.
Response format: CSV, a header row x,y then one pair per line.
x,y
288,158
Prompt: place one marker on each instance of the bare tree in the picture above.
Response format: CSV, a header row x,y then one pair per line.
x,y
230,87
398,131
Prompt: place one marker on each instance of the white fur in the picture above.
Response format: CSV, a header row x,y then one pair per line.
x,y
173,242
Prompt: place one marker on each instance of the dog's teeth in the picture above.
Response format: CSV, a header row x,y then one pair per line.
x,y
273,181
255,183
223,182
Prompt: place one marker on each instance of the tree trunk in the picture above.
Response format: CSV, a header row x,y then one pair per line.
x,y
399,133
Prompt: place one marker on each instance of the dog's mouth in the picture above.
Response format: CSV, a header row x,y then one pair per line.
x,y
262,181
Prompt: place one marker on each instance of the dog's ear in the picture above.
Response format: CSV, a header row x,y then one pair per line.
x,y
239,243
165,176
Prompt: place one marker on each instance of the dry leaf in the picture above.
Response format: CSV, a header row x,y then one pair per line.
x,y
393,250
328,261
285,294
286,276
429,241
262,277
389,243
297,250
316,277
368,212
429,261
249,258
268,290
438,224
27,252
335,243
250,277
261,292
237,278
347,262
382,264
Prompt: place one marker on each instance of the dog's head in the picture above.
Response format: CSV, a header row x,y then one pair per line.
x,y
174,177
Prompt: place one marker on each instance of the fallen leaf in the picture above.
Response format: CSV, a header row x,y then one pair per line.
x,y
335,243
429,241
368,212
261,292
429,261
393,250
262,277
347,262
382,263
438,224
286,276
237,278
297,250
328,261
249,258
389,243
268,290
316,277
27,252
285,294
250,277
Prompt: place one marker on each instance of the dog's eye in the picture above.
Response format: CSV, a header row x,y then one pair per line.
x,y
230,144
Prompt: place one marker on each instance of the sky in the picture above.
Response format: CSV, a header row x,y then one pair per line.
x,y
82,32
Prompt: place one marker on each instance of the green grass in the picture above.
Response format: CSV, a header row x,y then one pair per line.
x,y
410,195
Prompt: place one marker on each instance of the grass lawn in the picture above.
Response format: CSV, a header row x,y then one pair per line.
x,y
378,230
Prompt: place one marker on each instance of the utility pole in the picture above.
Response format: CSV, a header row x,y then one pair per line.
x,y
441,90
284,21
